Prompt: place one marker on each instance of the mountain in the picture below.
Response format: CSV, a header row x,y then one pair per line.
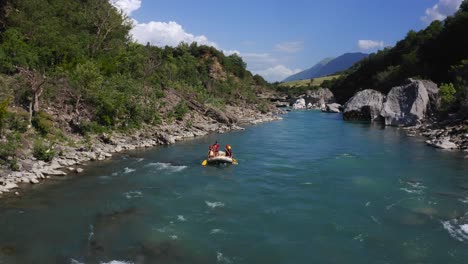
x,y
309,72
328,66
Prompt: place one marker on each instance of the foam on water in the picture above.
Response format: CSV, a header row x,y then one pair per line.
x,y
214,204
166,166
91,232
463,200
456,230
222,259
181,218
413,187
74,261
215,231
117,262
129,170
133,194
411,190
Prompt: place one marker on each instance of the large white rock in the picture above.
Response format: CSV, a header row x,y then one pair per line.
x,y
365,105
299,104
406,105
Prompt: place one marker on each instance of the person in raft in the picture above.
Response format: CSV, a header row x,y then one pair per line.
x,y
228,151
216,148
210,152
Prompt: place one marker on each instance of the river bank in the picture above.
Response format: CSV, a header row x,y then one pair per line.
x,y
72,160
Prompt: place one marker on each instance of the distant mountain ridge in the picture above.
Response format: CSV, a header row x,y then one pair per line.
x,y
328,66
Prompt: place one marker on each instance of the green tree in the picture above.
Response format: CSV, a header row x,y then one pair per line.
x,y
447,95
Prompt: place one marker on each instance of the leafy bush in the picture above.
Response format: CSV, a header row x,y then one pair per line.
x,y
90,127
179,111
42,123
8,149
19,121
43,151
447,95
3,113
263,107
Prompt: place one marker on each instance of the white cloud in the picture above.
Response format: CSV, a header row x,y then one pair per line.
x,y
127,6
441,10
365,44
290,47
171,34
162,34
277,73
230,52
158,33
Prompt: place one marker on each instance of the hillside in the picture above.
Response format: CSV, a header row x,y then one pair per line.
x,y
437,53
328,66
70,72
315,81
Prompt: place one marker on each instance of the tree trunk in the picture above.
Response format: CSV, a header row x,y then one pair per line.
x,y
30,114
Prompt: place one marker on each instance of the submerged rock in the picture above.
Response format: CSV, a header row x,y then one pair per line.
x,y
365,105
407,105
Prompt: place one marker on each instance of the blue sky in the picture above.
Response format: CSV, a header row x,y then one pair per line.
x,y
279,38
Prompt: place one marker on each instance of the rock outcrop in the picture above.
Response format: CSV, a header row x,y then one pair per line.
x,y
365,105
408,105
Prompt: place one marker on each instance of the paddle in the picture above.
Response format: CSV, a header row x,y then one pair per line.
x,y
204,163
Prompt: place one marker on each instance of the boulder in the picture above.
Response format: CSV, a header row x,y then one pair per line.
x,y
332,108
165,138
299,104
365,105
407,105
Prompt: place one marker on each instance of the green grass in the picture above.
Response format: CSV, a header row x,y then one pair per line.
x,y
316,82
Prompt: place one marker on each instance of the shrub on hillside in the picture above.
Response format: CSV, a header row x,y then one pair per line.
x,y
42,123
447,96
8,148
43,151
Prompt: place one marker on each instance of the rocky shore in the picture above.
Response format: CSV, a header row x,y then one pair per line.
x,y
450,135
413,107
71,160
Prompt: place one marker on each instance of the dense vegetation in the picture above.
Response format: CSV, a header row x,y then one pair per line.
x,y
77,57
438,53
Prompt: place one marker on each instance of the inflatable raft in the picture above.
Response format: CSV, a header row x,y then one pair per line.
x,y
221,158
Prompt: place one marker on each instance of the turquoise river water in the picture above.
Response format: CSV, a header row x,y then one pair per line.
x,y
308,189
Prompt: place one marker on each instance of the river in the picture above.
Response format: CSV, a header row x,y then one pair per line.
x,y
308,189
